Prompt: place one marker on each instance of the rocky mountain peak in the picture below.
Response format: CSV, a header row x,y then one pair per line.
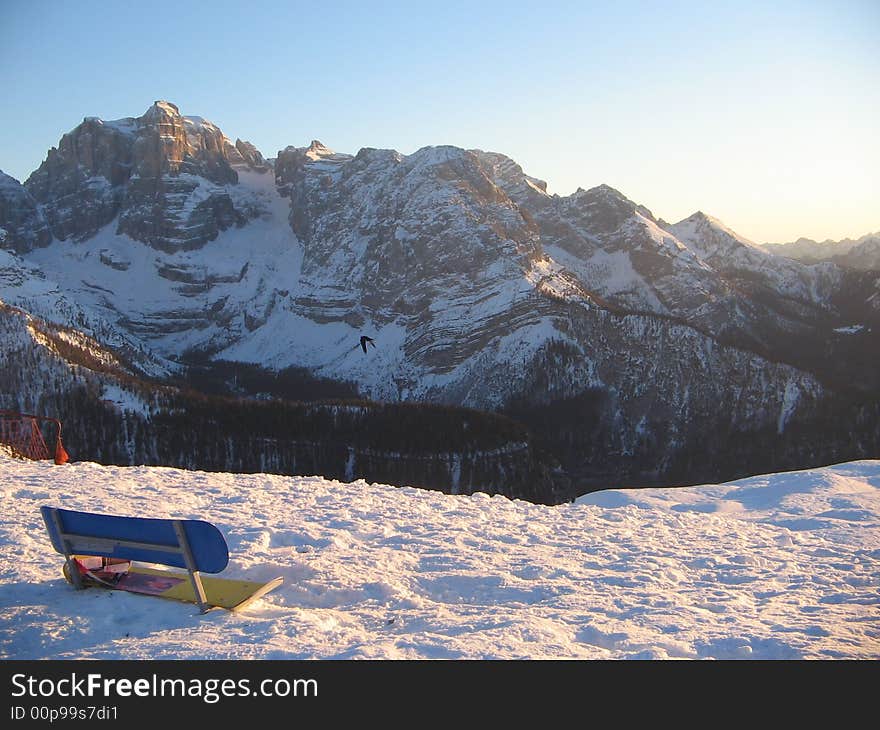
x,y
600,210
160,145
291,160
604,190
7,182
510,177
704,219
370,155
22,225
316,150
162,177
160,109
603,196
709,236
245,154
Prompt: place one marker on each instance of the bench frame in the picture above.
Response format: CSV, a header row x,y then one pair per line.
x,y
81,544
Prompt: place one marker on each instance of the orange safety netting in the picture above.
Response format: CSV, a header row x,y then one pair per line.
x,y
21,433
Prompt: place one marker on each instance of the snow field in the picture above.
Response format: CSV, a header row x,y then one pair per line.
x,y
777,567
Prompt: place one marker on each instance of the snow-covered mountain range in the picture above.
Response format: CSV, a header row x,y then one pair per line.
x,y
159,235
860,253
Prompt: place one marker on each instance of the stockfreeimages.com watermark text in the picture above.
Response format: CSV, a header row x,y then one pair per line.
x,y
210,690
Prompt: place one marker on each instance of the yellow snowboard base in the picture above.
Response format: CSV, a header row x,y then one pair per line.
x,y
233,595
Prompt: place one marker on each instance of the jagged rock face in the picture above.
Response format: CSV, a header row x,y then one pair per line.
x,y
22,224
615,248
165,176
244,154
386,236
176,212
483,271
697,270
81,182
469,256
529,192
734,256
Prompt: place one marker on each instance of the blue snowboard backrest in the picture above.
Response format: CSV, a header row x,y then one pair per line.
x,y
206,542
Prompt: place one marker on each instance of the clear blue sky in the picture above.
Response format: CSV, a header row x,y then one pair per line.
x,y
763,114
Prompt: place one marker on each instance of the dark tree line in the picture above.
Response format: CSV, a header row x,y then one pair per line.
x,y
226,377
446,449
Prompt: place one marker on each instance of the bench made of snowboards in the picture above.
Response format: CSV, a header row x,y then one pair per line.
x,y
99,550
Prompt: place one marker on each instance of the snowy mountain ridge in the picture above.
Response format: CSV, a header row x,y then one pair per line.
x,y
861,253
479,288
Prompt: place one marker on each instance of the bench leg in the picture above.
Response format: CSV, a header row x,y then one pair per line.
x,y
199,590
194,578
73,572
72,568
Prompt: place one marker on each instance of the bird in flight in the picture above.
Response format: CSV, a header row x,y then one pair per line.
x,y
365,340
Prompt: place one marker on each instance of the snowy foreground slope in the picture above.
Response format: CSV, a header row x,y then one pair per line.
x,y
784,566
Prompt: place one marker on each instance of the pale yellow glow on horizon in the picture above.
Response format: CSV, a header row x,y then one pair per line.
x,y
773,190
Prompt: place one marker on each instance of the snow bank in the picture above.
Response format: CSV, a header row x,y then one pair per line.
x,y
782,566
